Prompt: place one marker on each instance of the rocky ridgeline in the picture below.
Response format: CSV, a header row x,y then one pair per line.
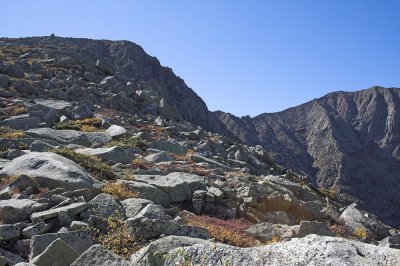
x,y
99,167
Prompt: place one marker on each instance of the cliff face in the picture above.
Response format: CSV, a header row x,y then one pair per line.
x,y
346,141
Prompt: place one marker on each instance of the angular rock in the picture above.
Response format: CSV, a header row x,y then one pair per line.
x,y
81,112
80,241
18,210
49,111
87,139
159,157
116,131
169,146
36,229
22,122
100,256
50,170
57,252
8,232
115,154
263,231
104,205
9,257
310,250
149,192
311,227
391,242
134,206
72,210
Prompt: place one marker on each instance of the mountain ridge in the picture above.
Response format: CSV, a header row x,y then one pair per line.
x,y
350,125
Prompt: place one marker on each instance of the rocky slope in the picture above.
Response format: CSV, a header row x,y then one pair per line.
x,y
348,142
107,158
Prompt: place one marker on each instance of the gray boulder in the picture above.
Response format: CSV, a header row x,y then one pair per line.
x,y
9,258
81,112
71,210
134,205
149,192
58,252
263,231
36,229
50,170
310,250
49,111
87,139
159,157
40,146
354,219
178,186
8,232
116,131
105,67
311,227
170,146
392,241
154,254
100,256
80,241
115,154
22,122
18,210
104,205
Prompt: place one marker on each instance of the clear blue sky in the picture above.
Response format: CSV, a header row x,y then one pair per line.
x,y
243,57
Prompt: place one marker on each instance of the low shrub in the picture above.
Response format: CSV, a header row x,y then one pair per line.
x,y
226,231
87,125
129,142
361,232
92,164
121,191
9,133
142,164
117,239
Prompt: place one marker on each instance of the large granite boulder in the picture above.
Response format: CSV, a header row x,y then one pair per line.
x,y
50,170
87,139
310,250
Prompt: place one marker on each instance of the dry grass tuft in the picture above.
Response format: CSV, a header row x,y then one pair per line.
x,y
92,164
142,164
5,181
121,191
87,125
129,142
361,232
226,231
8,133
117,239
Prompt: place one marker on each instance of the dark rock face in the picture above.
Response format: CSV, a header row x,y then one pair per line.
x,y
347,141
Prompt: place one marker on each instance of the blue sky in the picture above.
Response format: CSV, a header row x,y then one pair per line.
x,y
243,57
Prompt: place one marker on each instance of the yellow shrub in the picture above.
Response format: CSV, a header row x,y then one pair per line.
x,y
361,232
119,190
226,231
117,239
87,128
8,133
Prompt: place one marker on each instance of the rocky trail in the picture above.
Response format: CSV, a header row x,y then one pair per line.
x,y
107,158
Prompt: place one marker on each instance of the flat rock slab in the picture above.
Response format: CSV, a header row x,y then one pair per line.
x,y
100,256
18,210
115,154
178,186
149,192
21,122
71,210
310,250
58,252
50,170
87,139
80,241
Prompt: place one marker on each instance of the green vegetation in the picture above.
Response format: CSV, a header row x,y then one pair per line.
x,y
86,125
129,142
8,133
92,164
